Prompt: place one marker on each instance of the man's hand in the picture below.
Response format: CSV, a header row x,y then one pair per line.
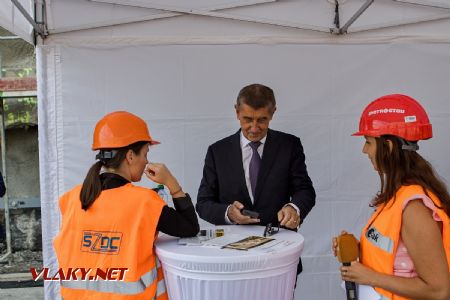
x,y
288,217
235,216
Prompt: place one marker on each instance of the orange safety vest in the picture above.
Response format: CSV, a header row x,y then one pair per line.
x,y
117,231
380,237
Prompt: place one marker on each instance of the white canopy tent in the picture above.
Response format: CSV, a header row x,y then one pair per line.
x,y
180,65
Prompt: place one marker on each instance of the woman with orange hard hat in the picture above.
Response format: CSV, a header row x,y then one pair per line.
x,y
109,223
405,246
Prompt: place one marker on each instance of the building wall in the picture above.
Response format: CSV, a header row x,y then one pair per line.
x,y
22,162
17,79
22,179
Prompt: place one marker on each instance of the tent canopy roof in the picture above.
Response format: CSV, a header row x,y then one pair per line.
x,y
112,18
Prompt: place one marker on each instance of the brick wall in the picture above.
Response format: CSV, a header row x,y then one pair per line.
x,y
18,84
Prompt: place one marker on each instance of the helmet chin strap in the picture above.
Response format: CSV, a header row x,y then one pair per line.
x,y
409,145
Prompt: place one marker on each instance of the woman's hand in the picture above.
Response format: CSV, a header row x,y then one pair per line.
x,y
358,273
159,173
334,245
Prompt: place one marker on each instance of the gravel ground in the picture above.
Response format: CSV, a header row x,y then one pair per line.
x,y
34,293
21,262
15,276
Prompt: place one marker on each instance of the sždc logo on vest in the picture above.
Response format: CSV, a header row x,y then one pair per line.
x,y
104,242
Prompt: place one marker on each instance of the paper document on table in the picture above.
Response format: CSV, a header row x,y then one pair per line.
x,y
224,240
203,236
272,246
191,241
248,243
251,243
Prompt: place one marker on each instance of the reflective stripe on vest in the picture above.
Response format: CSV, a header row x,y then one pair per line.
x,y
383,242
160,288
116,287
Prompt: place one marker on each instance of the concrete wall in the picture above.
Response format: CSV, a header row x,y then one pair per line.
x,y
26,233
22,162
22,178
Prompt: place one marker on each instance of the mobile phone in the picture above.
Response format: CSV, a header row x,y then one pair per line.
x,y
250,213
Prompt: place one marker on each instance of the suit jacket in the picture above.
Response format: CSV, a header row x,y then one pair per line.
x,y
282,178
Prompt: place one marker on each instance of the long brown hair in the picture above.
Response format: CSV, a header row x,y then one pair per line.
x,y
92,185
397,167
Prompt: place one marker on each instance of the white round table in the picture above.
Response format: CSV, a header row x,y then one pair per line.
x,y
198,272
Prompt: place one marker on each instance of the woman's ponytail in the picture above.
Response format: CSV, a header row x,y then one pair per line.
x,y
92,186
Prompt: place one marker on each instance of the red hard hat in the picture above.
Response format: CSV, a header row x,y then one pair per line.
x,y
398,115
119,129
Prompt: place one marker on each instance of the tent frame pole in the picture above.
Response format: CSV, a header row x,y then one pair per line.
x,y
400,23
216,13
38,28
360,11
425,3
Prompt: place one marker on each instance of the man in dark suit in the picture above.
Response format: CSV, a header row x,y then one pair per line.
x,y
257,168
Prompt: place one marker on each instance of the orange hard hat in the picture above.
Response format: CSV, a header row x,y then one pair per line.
x,y
398,115
119,129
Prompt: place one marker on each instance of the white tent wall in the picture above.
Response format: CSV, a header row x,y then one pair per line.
x,y
186,94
